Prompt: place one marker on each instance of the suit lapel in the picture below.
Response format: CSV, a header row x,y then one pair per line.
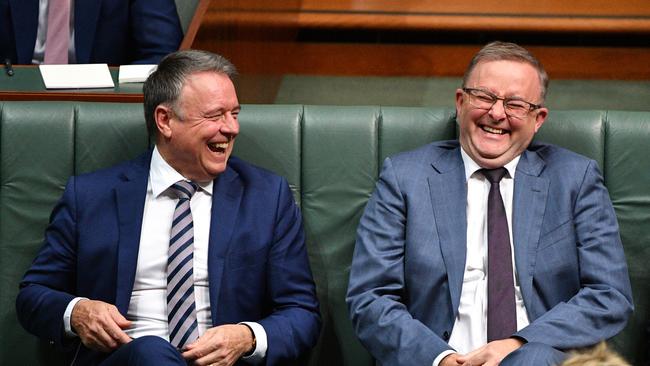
x,y
85,21
529,205
129,197
226,198
448,187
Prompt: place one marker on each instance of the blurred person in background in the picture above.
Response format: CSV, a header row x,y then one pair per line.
x,y
115,32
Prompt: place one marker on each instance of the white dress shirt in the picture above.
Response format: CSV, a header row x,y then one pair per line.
x,y
148,305
470,326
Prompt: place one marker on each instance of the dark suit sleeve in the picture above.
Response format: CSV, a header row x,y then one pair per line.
x,y
155,30
294,324
45,289
376,293
603,302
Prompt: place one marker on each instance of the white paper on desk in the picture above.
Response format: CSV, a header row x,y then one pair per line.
x,y
135,73
76,76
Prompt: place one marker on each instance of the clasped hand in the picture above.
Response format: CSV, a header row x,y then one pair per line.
x,y
489,355
221,345
100,326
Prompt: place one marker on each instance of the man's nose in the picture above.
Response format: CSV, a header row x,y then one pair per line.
x,y
230,125
498,110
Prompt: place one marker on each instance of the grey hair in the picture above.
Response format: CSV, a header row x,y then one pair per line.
x,y
498,51
164,85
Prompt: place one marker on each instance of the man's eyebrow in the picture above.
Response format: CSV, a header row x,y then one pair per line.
x,y
516,97
512,97
484,90
213,111
221,110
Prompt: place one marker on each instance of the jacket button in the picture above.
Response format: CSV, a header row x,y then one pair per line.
x,y
445,336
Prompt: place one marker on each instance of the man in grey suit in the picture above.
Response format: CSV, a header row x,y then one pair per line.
x,y
426,280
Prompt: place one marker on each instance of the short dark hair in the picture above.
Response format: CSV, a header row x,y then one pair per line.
x,y
164,85
497,51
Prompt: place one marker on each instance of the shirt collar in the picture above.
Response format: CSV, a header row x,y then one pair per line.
x,y
471,166
162,175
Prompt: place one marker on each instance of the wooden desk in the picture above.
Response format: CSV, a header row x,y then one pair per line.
x,y
27,84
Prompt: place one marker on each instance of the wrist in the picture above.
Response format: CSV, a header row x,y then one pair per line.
x,y
449,360
67,316
253,342
518,341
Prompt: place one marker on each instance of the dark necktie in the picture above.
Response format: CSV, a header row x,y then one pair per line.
x,y
181,308
502,317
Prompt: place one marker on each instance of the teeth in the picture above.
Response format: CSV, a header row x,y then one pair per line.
x,y
494,130
218,145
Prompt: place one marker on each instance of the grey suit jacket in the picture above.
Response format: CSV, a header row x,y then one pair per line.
x,y
409,259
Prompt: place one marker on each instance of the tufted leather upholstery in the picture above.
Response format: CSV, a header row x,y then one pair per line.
x,y
331,157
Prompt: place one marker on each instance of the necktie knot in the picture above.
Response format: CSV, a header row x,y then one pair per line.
x,y
494,175
184,190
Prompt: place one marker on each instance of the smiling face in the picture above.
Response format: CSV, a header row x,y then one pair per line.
x,y
490,137
198,141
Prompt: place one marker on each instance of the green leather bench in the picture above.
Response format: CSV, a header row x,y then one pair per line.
x,y
331,157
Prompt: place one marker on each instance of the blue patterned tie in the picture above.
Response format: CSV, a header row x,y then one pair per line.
x,y
502,316
181,308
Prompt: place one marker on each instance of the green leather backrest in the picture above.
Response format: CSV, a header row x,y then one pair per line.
x,y
627,177
331,157
41,145
186,9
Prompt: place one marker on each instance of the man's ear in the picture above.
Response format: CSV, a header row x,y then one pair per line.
x,y
459,99
163,115
542,113
459,103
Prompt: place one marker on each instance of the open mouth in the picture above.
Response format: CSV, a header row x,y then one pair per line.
x,y
218,147
496,131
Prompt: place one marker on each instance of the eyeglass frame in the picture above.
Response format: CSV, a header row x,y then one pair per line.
x,y
505,100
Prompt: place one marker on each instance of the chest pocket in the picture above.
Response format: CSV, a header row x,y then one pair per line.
x,y
561,233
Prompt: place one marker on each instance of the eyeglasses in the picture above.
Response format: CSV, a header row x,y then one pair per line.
x,y
513,107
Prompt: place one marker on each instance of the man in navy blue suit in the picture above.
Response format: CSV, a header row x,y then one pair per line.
x,y
116,32
425,271
98,287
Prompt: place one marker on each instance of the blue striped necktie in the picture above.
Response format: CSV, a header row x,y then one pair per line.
x,y
181,308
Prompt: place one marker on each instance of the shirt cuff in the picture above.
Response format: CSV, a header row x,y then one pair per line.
x,y
261,344
443,354
67,314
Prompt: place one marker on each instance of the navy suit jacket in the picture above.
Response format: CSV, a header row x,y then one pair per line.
x,y
116,32
257,261
409,260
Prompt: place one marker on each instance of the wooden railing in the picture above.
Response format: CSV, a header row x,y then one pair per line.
x,y
574,39
628,16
